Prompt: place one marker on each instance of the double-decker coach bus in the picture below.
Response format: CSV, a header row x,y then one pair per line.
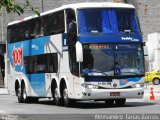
x,y
84,51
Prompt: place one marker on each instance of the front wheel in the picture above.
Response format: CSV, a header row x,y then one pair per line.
x,y
109,102
156,81
67,102
120,102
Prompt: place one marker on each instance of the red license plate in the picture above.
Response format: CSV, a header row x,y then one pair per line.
x,y
114,93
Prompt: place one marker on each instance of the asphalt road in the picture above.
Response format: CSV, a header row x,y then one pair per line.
x,y
9,104
45,110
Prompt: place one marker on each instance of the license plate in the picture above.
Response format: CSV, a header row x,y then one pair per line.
x,y
114,93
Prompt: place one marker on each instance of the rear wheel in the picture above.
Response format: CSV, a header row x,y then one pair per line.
x,y
56,98
25,98
19,95
109,102
120,102
156,81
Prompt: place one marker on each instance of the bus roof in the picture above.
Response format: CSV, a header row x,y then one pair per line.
x,y
78,6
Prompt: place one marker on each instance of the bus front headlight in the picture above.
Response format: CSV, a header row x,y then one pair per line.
x,y
138,85
89,86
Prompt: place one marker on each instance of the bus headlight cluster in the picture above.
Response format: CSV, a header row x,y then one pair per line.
x,y
89,86
138,85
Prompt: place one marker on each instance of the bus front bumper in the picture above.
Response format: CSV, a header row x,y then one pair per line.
x,y
95,94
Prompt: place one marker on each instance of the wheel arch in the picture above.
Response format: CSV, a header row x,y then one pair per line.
x,y
156,78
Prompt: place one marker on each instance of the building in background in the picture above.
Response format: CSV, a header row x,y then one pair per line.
x,y
2,64
153,45
147,12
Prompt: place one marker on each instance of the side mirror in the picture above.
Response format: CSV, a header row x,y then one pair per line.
x,y
79,52
143,44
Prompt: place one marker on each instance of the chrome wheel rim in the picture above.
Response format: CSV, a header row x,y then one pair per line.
x,y
24,94
19,92
156,81
56,94
65,94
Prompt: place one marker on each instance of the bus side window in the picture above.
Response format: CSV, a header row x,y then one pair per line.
x,y
41,27
71,27
24,32
52,63
54,23
60,22
28,64
9,34
41,63
14,33
35,28
34,64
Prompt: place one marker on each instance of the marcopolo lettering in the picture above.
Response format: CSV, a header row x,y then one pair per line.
x,y
129,38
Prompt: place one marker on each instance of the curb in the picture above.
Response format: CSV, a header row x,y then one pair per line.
x,y
3,91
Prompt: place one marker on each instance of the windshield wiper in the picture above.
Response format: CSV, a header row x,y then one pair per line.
x,y
96,71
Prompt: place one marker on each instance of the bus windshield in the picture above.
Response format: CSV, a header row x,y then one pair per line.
x,y
113,59
107,21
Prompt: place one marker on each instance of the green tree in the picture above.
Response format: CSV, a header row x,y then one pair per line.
x,y
12,6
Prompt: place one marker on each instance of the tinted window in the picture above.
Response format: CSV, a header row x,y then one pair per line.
x,y
108,21
113,59
13,34
46,63
42,26
23,31
52,63
54,23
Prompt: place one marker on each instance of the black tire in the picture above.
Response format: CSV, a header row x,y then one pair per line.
x,y
120,102
109,102
19,95
156,81
56,97
21,99
66,101
25,98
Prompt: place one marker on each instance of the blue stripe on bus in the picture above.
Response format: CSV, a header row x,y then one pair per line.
x,y
37,82
30,47
37,47
110,38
